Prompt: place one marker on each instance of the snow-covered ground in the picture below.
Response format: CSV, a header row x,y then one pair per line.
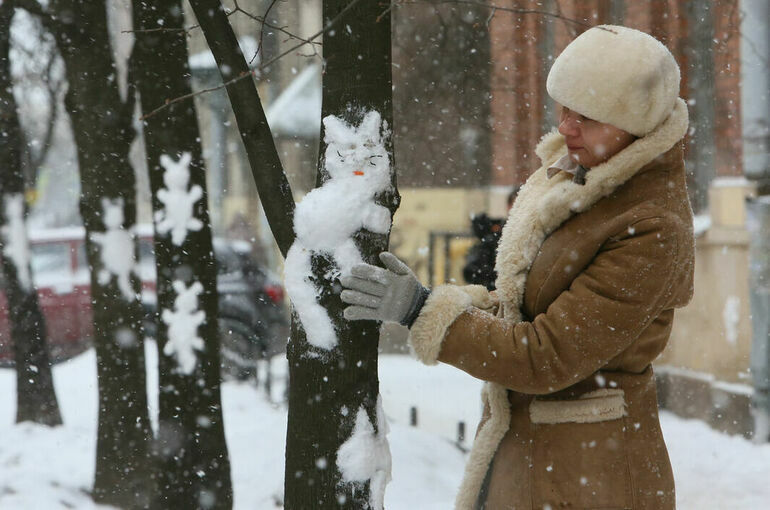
x,y
50,469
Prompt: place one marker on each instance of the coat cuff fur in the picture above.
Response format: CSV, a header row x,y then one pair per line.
x,y
443,306
481,297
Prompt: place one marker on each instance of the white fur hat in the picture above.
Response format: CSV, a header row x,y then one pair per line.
x,y
616,75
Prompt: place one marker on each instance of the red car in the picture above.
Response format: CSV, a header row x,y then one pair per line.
x,y
253,320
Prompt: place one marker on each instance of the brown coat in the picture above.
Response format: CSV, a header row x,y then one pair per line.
x,y
589,277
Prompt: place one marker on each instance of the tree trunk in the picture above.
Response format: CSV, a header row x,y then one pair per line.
x,y
193,467
36,398
326,391
102,128
358,80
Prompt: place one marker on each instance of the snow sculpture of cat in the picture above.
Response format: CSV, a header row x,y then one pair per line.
x,y
358,168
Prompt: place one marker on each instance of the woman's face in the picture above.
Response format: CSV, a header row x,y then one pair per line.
x,y
591,142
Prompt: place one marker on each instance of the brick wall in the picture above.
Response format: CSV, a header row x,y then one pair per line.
x,y
728,98
517,90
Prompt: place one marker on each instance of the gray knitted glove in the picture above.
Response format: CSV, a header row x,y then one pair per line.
x,y
393,294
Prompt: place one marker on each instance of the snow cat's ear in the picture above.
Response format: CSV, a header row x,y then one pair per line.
x,y
370,126
331,122
165,161
185,159
336,131
196,288
106,204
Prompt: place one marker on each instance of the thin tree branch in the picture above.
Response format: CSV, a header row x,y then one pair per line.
x,y
330,25
386,11
572,31
262,29
557,15
259,19
178,99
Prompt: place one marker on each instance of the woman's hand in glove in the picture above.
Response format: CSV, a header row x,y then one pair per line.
x,y
392,294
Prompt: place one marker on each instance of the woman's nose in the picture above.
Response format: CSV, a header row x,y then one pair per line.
x,y
569,126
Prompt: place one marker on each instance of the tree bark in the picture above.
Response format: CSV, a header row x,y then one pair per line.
x,y
36,397
193,467
322,388
103,133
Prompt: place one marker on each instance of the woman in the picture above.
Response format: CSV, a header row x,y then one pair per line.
x,y
595,257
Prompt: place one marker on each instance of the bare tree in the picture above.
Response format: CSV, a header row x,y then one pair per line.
x,y
192,464
36,398
103,133
328,392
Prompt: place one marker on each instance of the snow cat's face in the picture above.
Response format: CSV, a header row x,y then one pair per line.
x,y
357,153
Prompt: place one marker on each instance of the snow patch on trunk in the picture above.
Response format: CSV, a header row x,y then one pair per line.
x,y
177,216
15,241
183,322
116,248
358,168
365,456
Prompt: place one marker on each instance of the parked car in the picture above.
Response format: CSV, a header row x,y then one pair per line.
x,y
253,321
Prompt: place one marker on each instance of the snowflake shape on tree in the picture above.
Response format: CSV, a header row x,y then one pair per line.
x,y
116,248
177,215
183,322
14,232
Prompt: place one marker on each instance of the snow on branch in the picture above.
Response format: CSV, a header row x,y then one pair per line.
x,y
358,168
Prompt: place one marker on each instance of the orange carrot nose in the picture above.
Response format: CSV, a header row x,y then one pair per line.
x,y
357,172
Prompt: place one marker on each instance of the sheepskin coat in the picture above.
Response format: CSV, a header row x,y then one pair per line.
x,y
588,280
